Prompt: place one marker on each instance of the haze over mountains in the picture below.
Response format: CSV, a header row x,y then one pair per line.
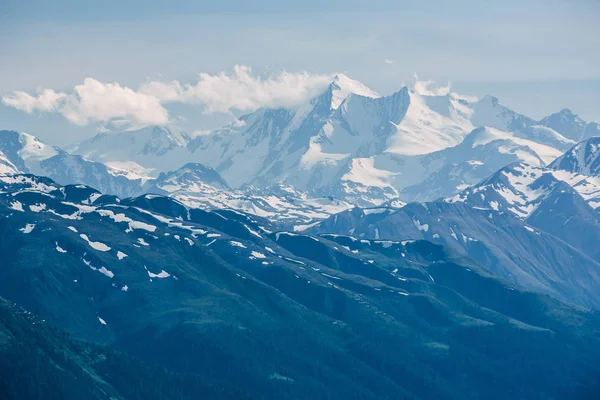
x,y
418,245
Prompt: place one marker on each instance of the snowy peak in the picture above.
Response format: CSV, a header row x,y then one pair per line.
x,y
519,189
342,86
480,154
529,151
348,142
33,149
430,123
10,146
565,121
6,166
127,145
583,158
489,112
25,151
189,178
570,125
161,139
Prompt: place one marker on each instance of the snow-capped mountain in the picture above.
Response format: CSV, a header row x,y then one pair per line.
x,y
202,187
6,166
519,189
583,158
265,146
368,145
571,126
518,211
286,235
144,152
349,143
24,153
346,147
191,178
481,153
194,183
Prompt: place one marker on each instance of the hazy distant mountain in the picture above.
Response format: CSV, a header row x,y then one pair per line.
x,y
571,126
147,151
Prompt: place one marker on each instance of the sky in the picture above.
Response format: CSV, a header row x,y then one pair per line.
x,y
68,68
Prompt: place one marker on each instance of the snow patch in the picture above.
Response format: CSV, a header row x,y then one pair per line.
x,y
161,275
106,272
17,206
421,227
28,228
237,244
256,254
95,245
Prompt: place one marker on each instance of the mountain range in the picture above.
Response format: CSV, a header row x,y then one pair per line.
x,y
350,141
218,296
358,246
348,144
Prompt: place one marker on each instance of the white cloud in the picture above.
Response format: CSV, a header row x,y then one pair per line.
x,y
241,90
94,101
389,62
429,88
97,101
164,91
46,100
244,92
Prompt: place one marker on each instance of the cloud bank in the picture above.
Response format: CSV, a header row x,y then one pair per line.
x,y
241,90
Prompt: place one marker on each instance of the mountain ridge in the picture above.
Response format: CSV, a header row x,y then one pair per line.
x,y
222,294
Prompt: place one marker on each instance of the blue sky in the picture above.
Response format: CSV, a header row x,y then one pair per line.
x,y
537,57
